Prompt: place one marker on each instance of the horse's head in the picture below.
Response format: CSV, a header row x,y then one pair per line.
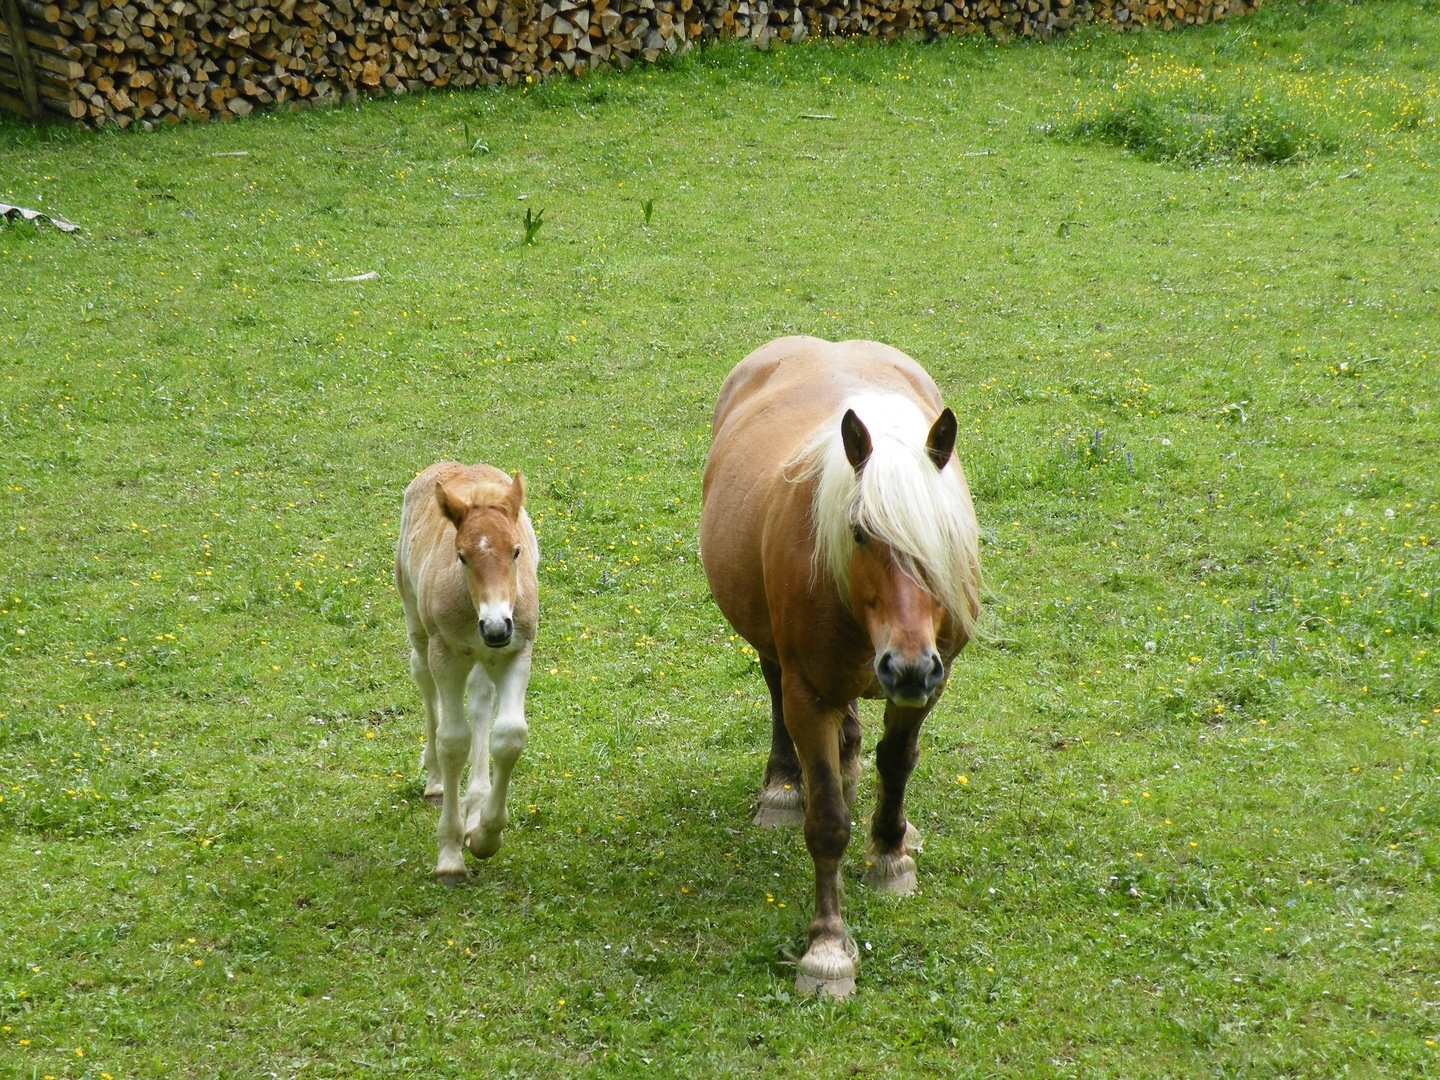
x,y
901,614
488,538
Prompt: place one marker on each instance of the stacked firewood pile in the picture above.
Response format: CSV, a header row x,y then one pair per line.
x,y
161,61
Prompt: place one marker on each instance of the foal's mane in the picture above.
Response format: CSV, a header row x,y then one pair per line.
x,y
898,497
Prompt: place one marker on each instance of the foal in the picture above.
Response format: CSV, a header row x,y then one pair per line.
x,y
465,569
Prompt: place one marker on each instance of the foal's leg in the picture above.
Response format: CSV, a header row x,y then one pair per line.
x,y
781,802
890,866
480,701
828,966
420,672
507,741
450,672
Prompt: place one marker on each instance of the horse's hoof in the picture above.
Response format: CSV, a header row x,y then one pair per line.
x,y
805,984
483,844
436,799
450,878
780,806
892,874
827,969
779,817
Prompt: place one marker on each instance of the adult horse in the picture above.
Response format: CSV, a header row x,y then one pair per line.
x,y
839,540
465,569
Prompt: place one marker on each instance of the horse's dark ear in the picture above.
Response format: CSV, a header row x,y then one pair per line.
x,y
453,506
516,498
856,439
940,443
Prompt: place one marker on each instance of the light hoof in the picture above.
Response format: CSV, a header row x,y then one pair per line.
x,y
772,817
839,988
892,874
780,806
451,878
483,844
827,969
436,799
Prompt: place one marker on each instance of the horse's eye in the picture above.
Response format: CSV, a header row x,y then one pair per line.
x,y
517,553
460,555
859,533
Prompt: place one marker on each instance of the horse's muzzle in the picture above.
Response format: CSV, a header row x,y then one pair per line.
x,y
497,632
909,680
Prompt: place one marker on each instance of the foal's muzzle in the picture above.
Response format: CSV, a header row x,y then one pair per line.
x,y
909,680
497,631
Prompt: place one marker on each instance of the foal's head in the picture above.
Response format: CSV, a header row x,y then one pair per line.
x,y
888,597
488,539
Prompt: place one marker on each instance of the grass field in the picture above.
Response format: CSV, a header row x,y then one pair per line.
x,y
1181,812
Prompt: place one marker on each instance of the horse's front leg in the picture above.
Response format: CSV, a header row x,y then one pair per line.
x,y
507,742
450,671
828,966
889,859
480,702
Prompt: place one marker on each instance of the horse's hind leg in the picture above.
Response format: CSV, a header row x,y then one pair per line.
x,y
889,859
782,801
420,672
850,752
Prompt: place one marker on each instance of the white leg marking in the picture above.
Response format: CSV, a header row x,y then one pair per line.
x,y
420,672
453,740
507,741
480,699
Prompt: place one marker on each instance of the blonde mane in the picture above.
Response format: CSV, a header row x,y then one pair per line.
x,y
899,497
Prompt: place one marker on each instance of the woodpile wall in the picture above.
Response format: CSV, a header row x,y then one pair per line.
x,y
160,61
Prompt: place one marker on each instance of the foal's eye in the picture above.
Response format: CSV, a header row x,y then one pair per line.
x,y
515,556
859,534
460,555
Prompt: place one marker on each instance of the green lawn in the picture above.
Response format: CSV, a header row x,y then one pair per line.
x,y
1181,812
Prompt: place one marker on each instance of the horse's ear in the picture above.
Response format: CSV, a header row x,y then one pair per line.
x,y
453,506
516,499
940,443
856,440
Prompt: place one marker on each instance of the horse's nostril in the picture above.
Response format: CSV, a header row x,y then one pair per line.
x,y
886,666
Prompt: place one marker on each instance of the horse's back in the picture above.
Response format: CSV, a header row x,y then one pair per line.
x,y
798,382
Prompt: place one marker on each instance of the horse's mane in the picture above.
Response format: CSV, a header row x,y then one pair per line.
x,y
922,513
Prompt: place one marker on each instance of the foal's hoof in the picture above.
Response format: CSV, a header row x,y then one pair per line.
x,y
827,969
483,844
435,799
780,806
450,878
893,874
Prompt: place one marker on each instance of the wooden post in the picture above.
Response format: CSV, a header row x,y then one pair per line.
x,y
20,50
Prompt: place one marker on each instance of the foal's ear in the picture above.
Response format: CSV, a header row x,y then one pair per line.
x,y
856,440
940,443
453,506
516,499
